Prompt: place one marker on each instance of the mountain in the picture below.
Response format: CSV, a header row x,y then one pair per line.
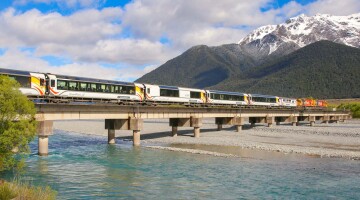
x,y
237,67
323,70
200,66
302,30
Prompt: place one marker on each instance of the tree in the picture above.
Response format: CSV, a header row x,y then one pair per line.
x,y
17,122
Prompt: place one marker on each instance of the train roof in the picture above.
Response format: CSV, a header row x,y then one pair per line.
x,y
14,72
179,88
168,87
93,80
262,95
226,92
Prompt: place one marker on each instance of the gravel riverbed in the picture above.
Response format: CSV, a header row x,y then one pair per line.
x,y
323,140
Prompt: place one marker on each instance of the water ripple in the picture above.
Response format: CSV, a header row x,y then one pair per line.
x,y
85,167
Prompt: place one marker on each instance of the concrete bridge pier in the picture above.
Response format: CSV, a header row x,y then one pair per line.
x,y
312,120
220,121
334,119
111,136
325,119
131,123
219,127
253,120
293,120
235,121
111,125
196,132
343,118
270,121
45,129
174,131
238,122
178,122
136,125
136,137
196,123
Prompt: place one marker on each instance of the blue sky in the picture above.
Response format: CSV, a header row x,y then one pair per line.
x,y
125,39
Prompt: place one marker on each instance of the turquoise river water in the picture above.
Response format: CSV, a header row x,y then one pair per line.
x,y
85,167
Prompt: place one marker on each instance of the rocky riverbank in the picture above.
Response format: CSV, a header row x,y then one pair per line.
x,y
323,140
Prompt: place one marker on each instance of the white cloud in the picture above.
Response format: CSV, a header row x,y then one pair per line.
x,y
130,36
210,36
34,28
64,3
111,50
154,19
334,7
87,36
24,60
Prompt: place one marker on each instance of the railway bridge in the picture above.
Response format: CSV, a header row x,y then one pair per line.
x,y
130,117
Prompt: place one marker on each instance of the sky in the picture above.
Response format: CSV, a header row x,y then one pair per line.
x,y
125,39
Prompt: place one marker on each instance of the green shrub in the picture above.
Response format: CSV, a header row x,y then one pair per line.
x,y
6,191
354,107
16,190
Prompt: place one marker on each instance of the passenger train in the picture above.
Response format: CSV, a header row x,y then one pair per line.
x,y
61,88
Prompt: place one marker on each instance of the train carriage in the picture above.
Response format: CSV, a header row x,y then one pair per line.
x,y
31,84
306,102
263,100
166,94
287,102
90,88
61,88
226,98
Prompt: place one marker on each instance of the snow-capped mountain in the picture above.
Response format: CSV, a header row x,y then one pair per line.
x,y
302,30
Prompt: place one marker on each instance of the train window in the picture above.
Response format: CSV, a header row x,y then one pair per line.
x,y
101,87
82,86
107,88
73,85
62,85
126,89
23,80
148,90
131,90
112,88
121,90
52,83
263,99
169,93
116,89
92,87
195,95
227,97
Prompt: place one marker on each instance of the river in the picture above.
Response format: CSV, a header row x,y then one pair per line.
x,y
85,167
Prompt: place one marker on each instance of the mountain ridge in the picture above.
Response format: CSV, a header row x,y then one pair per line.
x,y
216,67
323,69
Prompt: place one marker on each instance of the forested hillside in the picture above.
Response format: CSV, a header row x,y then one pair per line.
x,y
323,69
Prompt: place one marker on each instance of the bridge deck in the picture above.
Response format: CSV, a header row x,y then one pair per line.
x,y
79,112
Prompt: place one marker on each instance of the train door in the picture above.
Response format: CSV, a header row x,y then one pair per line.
x,y
47,90
250,99
139,91
52,85
203,97
247,99
38,83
